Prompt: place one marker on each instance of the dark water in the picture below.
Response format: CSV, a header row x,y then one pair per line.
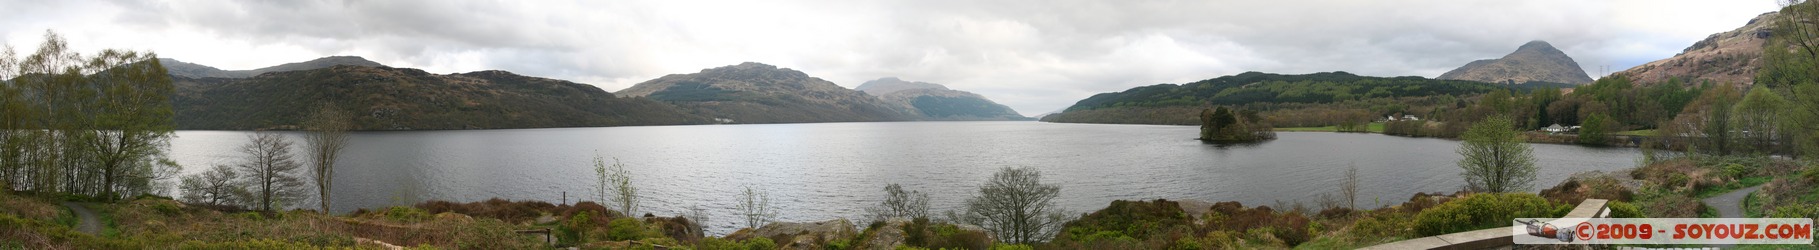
x,y
829,170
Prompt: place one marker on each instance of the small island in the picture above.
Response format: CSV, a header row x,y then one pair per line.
x,y
1223,125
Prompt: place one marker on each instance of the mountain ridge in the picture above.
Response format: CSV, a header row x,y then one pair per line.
x,y
192,70
1535,61
753,92
937,102
386,98
1730,57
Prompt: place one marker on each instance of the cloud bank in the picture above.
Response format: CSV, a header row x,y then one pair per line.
x,y
1035,56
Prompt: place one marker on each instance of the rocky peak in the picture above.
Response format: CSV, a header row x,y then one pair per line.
x,y
1535,61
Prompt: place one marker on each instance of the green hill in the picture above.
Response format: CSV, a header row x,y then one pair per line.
x,y
759,93
937,102
385,98
1166,100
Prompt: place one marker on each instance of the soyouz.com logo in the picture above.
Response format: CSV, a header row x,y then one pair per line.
x,y
1663,231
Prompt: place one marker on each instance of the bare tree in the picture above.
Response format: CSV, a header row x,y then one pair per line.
x,y
1349,187
328,127
270,172
756,207
900,204
213,187
1494,159
1016,207
624,195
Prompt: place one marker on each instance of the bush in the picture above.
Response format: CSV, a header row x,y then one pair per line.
x,y
1388,225
1292,229
575,229
1012,247
1481,211
626,228
406,214
1133,219
1625,210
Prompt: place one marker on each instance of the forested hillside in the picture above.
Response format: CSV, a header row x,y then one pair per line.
x,y
385,98
760,93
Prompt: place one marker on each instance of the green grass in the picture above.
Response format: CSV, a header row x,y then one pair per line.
x,y
1730,187
1645,132
1752,205
67,218
1374,127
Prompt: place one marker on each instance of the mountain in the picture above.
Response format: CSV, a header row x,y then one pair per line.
x,y
1535,61
191,70
1730,57
386,98
937,102
1181,104
760,93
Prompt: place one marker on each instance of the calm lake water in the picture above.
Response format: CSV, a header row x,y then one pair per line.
x,y
829,170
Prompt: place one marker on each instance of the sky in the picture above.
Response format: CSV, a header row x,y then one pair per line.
x,y
1035,56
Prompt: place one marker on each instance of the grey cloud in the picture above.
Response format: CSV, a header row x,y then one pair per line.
x,y
1035,56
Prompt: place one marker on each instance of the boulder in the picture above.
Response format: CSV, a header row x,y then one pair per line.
x,y
888,236
797,235
679,228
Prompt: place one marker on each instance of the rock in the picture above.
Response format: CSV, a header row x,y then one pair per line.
x,y
797,235
679,228
888,236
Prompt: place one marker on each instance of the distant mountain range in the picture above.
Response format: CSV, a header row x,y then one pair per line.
x,y
1179,104
937,102
191,70
386,98
760,93
1730,57
1536,61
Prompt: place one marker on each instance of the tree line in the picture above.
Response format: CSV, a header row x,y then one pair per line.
x,y
94,125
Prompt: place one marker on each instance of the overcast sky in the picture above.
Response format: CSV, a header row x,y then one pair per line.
x,y
1036,56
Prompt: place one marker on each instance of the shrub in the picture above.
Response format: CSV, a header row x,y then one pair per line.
x,y
1625,210
1481,211
1133,219
1677,180
1012,247
575,229
1383,226
492,234
1734,170
1672,206
626,228
406,214
1292,229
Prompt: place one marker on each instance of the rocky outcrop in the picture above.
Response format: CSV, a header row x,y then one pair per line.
x,y
1730,57
888,236
679,228
798,235
1536,61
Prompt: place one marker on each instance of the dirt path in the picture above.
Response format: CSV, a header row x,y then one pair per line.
x,y
88,222
1730,205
